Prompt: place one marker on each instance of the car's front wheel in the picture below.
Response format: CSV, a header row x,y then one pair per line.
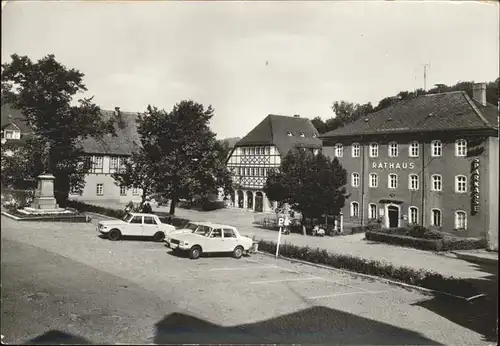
x,y
238,252
195,252
114,235
159,236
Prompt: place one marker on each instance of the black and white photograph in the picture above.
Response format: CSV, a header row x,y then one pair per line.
x,y
250,172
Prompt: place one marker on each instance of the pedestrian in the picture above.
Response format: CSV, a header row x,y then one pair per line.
x,y
147,208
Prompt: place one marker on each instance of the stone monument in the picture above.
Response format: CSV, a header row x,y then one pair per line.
x,y
44,200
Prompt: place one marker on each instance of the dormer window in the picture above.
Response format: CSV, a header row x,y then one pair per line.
x,y
315,135
302,134
289,134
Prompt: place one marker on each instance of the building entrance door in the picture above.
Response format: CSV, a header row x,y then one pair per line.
x,y
259,202
393,216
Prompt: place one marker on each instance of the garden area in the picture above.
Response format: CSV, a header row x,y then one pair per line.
x,y
422,238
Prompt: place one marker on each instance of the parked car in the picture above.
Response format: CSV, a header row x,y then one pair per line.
x,y
210,238
135,224
190,227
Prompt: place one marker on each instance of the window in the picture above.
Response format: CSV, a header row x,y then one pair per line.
x,y
149,220
302,134
393,181
413,183
98,162
315,135
123,160
437,182
460,220
252,171
355,180
113,163
339,150
244,151
123,191
460,184
436,148
99,190
461,147
268,150
373,180
135,191
229,233
262,172
354,209
373,150
136,219
216,233
413,215
436,217
393,149
289,134
252,151
355,150
373,211
414,149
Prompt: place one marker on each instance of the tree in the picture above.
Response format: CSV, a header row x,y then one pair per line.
x,y
138,171
187,159
43,92
311,184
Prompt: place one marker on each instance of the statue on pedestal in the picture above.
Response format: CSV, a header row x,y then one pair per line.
x,y
46,157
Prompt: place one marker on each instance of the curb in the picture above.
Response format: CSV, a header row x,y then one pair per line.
x,y
100,215
397,283
11,216
472,258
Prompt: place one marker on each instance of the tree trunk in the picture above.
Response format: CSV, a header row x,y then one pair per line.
x,y
303,224
173,203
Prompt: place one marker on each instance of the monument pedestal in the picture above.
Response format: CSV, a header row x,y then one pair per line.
x,y
44,200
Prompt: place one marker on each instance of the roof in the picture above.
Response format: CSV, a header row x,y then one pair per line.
x,y
274,130
126,141
450,111
14,116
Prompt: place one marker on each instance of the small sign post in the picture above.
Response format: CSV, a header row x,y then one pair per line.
x,y
280,224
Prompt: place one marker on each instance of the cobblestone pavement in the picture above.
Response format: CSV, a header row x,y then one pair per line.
x,y
64,277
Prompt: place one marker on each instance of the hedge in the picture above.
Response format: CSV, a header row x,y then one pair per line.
x,y
361,229
412,276
118,214
444,244
415,231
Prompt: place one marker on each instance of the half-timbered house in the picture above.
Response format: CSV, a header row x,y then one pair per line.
x,y
261,151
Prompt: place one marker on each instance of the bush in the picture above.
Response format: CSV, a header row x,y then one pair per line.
x,y
208,205
443,244
415,231
15,198
419,277
362,229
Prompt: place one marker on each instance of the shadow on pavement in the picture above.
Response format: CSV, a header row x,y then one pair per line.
x,y
129,238
480,314
184,254
313,325
56,337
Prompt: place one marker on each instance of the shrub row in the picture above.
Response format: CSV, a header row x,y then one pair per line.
x,y
116,213
415,231
444,244
362,229
418,277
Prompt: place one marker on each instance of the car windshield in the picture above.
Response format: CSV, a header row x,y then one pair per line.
x,y
203,230
192,226
127,217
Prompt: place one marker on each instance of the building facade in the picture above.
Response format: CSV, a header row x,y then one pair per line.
x,y
106,156
432,161
261,151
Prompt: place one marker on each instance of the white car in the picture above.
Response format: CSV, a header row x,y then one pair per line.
x,y
135,224
189,228
211,238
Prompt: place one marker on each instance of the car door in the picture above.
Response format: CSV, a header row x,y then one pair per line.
x,y
135,226
149,227
230,240
215,241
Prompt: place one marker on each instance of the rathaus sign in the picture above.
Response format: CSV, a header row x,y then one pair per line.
x,y
392,165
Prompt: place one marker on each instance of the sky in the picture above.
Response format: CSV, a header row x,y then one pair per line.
x,y
251,59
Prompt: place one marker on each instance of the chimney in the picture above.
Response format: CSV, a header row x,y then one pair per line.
x,y
296,116
479,93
